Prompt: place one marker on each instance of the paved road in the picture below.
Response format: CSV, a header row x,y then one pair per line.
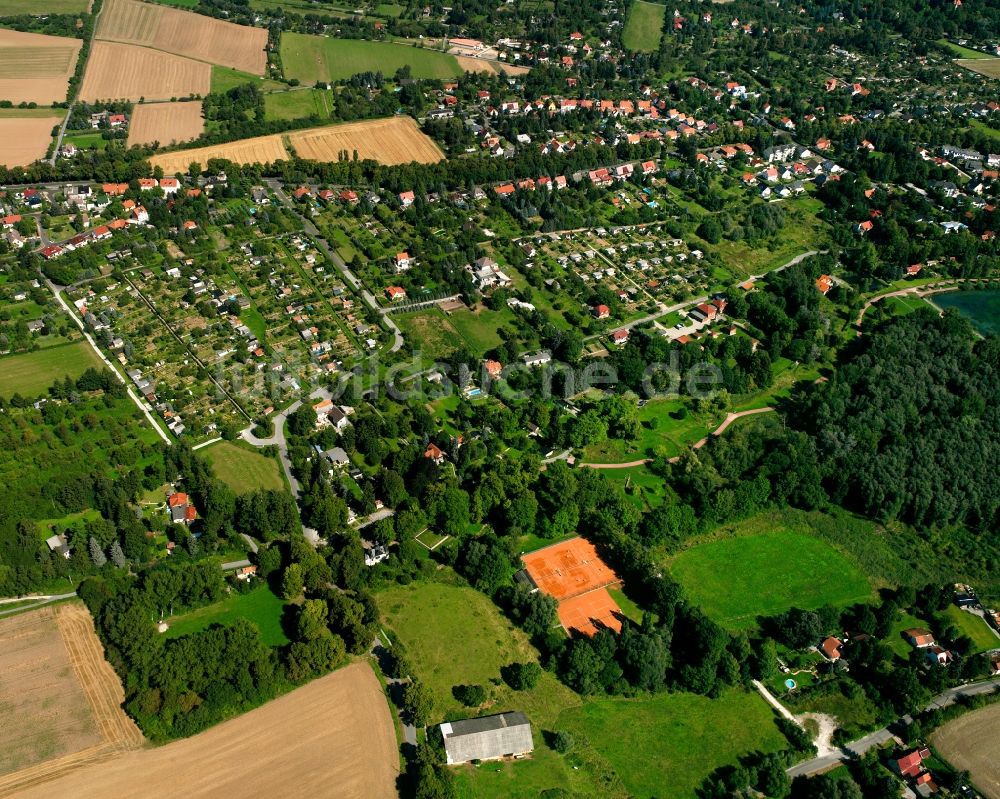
x,y
250,543
42,601
128,388
857,748
235,564
352,280
278,440
377,516
395,685
208,443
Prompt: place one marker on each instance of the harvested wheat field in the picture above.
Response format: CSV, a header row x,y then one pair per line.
x,y
990,67
396,140
332,737
969,743
25,139
36,68
60,700
258,150
166,123
127,72
184,33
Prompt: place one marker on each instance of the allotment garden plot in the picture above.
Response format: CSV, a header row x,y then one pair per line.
x,y
219,346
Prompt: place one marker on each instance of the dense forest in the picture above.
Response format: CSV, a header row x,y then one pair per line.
x,y
908,427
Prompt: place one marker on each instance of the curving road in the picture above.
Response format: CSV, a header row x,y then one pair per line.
x,y
857,748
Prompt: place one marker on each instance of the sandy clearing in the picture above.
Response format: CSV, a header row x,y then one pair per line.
x,y
472,64
969,744
129,72
396,140
166,123
25,140
332,737
36,68
185,33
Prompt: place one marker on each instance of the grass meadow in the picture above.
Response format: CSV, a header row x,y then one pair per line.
x,y
15,8
623,747
30,374
644,26
261,606
735,580
298,104
319,58
242,469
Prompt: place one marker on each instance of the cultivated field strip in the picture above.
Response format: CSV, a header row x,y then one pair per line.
x,y
396,140
23,140
100,683
36,68
184,33
166,123
118,71
332,737
100,686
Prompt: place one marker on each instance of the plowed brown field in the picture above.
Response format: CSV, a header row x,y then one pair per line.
x,y
36,68
60,700
25,139
396,140
332,737
184,33
166,123
128,72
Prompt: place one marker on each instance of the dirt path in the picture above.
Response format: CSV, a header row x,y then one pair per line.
x,y
732,417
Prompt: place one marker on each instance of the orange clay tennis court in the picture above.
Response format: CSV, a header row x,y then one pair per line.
x,y
589,612
573,573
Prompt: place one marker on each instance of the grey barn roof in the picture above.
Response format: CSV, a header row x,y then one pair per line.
x,y
487,738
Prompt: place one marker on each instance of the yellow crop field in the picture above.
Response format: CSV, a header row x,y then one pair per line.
x,y
184,33
35,68
128,72
25,139
166,123
396,140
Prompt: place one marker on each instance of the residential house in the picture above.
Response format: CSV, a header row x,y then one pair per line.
x,y
910,764
434,453
918,637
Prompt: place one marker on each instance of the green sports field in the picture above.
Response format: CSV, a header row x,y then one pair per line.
x,y
320,58
32,373
243,470
644,26
260,606
734,580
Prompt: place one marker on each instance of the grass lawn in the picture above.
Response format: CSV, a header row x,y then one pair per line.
x,y
982,127
261,606
734,580
802,230
242,469
299,104
429,332
963,52
644,26
320,58
659,429
629,608
900,306
431,618
73,520
641,486
15,8
224,79
479,327
85,141
673,740
896,642
32,373
973,626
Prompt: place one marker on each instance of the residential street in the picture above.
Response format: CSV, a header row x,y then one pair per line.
x,y
857,748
